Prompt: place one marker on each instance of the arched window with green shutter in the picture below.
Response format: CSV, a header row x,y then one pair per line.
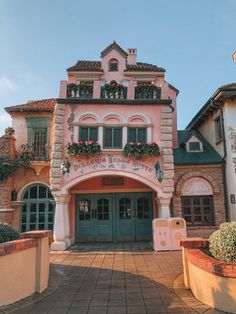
x,y
37,211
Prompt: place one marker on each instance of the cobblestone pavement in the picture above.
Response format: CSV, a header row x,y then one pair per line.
x,y
113,279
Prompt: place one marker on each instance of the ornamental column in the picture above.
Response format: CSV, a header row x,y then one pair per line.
x,y
67,221
61,232
164,206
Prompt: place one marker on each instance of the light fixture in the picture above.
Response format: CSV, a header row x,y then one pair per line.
x,y
159,172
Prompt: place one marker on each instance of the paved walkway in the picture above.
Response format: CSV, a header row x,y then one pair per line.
x,y
113,279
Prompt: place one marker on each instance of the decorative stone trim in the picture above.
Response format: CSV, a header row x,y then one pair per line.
x,y
57,147
71,118
196,173
166,150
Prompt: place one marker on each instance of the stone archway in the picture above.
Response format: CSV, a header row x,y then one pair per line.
x,y
193,174
62,235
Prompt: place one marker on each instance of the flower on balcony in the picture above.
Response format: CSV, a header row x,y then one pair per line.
x,y
9,131
140,150
114,90
147,90
82,148
82,90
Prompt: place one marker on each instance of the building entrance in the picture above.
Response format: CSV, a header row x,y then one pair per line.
x,y
113,217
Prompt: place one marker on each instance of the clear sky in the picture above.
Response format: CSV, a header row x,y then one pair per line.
x,y
192,40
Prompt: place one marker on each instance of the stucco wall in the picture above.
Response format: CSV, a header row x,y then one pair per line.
x,y
208,131
229,113
24,266
19,124
18,276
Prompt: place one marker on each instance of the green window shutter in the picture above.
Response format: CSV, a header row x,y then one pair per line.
x,y
117,140
38,136
93,134
107,137
132,135
142,135
113,138
83,134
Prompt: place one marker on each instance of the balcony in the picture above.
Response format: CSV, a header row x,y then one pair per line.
x,y
147,91
82,91
36,152
114,91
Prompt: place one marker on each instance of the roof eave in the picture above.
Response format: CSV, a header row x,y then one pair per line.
x,y
213,103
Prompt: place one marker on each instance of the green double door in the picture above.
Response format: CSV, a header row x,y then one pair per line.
x,y
113,217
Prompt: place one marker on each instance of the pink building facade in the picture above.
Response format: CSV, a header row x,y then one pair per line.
x,y
93,185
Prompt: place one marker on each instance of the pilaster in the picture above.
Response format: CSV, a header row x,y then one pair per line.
x,y
164,206
166,138
57,148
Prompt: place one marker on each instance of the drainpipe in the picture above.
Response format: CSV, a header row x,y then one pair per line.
x,y
224,168
224,164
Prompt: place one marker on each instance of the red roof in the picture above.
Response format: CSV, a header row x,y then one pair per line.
x,y
144,67
85,65
95,66
34,105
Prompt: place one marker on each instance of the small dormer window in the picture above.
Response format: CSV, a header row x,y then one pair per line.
x,y
194,146
113,65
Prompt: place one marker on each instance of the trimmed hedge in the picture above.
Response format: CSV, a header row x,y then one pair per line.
x,y
8,233
222,243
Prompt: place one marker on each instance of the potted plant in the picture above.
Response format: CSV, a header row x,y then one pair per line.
x,y
88,149
140,150
9,131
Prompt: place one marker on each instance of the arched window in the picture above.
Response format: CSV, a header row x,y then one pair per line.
x,y
113,65
197,202
37,212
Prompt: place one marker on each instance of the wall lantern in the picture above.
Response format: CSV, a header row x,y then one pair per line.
x,y
159,172
65,167
13,195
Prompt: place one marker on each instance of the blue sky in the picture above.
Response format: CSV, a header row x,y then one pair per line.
x,y
192,40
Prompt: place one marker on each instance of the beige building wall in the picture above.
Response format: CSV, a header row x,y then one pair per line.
x,y
207,129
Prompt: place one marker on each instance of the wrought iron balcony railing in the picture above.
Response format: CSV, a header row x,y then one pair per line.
x,y
114,91
147,91
83,91
38,151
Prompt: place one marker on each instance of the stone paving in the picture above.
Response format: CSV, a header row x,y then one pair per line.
x,y
113,279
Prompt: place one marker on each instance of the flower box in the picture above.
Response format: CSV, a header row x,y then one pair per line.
x,y
140,150
82,148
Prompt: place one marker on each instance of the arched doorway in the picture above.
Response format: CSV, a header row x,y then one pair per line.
x,y
37,211
112,209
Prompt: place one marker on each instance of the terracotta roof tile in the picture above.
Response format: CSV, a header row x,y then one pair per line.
x,y
34,105
85,65
144,67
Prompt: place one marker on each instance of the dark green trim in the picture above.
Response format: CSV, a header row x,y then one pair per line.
x,y
99,101
38,122
209,156
113,137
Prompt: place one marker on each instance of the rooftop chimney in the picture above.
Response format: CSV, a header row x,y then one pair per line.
x,y
132,56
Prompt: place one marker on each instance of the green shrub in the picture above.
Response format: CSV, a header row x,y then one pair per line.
x,y
222,244
7,233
